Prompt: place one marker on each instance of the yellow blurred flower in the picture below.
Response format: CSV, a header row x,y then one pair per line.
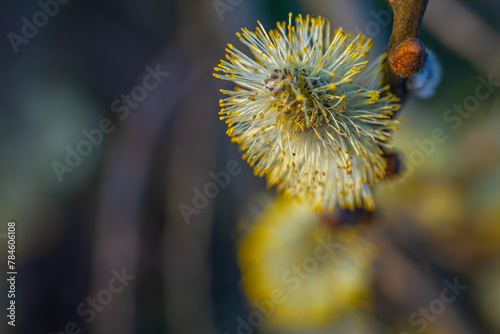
x,y
299,271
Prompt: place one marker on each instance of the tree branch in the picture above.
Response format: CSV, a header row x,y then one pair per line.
x,y
407,54
408,15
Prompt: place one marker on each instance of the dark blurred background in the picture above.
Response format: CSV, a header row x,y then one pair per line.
x,y
109,123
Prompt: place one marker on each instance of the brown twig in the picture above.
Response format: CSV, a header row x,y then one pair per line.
x,y
407,53
408,15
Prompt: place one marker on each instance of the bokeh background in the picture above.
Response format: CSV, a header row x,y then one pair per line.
x,y
118,208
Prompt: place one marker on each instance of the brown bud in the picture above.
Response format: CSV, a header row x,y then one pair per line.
x,y
408,58
330,220
393,164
